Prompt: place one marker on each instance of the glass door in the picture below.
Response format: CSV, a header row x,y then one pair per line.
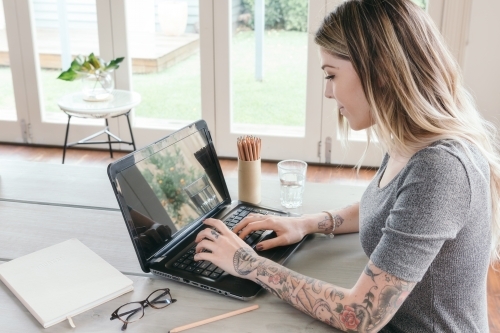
x,y
268,77
166,40
7,102
13,114
164,44
63,30
43,36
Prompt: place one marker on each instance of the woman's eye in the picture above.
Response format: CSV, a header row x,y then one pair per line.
x,y
329,77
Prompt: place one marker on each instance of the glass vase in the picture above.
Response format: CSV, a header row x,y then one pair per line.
x,y
97,86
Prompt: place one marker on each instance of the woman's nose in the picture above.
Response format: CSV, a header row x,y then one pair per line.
x,y
329,91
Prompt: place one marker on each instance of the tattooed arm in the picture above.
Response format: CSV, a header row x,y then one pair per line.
x,y
367,307
291,230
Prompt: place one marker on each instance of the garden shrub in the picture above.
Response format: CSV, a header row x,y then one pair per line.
x,y
280,14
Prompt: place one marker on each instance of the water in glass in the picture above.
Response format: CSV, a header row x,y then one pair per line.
x,y
292,188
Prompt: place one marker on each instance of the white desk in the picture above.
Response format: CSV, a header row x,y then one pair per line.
x,y
30,223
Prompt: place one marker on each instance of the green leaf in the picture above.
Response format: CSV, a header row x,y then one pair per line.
x,y
80,59
82,65
114,64
75,65
68,75
339,308
94,61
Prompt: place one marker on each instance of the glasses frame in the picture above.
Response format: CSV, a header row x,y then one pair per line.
x,y
144,304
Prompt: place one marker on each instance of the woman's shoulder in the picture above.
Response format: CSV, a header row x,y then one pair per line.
x,y
451,157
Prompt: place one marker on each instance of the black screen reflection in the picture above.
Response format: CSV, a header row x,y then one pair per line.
x,y
170,189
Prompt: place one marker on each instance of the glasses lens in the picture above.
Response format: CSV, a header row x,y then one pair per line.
x,y
160,299
131,312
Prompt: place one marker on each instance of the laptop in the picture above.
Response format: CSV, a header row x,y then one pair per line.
x,y
165,191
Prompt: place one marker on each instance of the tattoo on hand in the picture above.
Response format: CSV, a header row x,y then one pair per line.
x,y
215,234
245,261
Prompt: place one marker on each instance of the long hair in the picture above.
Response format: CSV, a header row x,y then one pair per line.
x,y
412,83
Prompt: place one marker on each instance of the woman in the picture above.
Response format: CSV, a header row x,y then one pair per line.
x,y
429,220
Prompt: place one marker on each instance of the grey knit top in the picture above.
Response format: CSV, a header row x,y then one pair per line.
x,y
431,225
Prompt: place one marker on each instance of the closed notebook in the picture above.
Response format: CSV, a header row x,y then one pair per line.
x,y
63,280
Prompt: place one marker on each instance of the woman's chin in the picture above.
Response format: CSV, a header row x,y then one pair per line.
x,y
357,128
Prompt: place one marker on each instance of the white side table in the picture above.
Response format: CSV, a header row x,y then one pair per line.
x,y
119,104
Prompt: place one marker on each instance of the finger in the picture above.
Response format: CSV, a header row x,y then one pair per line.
x,y
205,245
252,217
254,226
271,243
207,233
203,256
217,224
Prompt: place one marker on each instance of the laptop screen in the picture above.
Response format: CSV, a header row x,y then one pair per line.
x,y
168,186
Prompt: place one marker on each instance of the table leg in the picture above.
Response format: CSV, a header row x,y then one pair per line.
x,y
109,139
130,128
66,139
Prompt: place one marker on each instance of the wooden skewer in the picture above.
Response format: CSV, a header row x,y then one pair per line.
x,y
210,320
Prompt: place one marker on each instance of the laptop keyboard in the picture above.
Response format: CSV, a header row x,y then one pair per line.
x,y
206,268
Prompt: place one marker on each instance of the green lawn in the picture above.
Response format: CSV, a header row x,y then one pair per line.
x,y
175,93
278,100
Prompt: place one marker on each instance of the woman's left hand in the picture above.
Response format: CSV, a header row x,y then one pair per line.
x,y
222,244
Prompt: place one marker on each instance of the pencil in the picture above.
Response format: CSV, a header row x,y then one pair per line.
x,y
209,320
247,153
249,148
240,150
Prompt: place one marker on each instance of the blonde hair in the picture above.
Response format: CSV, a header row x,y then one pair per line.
x,y
412,83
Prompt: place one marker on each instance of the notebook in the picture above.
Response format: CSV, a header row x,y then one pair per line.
x,y
165,191
63,280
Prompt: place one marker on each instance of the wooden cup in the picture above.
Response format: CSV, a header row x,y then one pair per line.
x,y
249,181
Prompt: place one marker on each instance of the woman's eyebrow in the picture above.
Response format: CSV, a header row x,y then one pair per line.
x,y
324,66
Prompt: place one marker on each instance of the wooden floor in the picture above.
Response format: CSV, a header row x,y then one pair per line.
x,y
317,174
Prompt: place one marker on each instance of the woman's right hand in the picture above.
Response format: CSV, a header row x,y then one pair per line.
x,y
289,230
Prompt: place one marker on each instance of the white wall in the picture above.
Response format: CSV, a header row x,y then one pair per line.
x,y
482,55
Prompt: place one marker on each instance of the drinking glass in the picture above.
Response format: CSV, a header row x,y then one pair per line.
x,y
292,174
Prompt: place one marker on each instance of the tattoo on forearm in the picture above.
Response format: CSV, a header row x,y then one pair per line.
x,y
327,224
324,301
369,272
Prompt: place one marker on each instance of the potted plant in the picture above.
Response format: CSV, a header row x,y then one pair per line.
x,y
95,73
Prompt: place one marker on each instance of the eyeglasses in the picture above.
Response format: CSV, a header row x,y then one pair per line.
x,y
130,312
